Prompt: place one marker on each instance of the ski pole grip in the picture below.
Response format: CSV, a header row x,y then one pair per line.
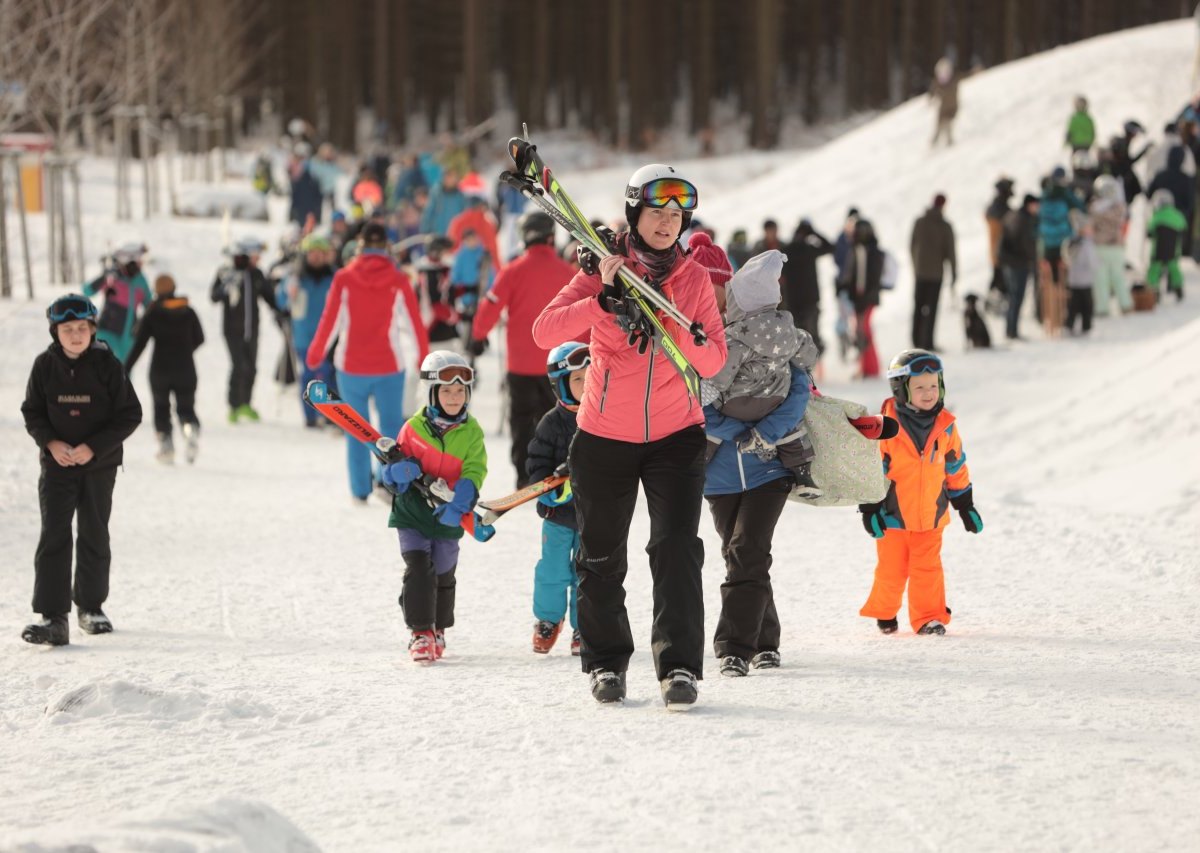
x,y
520,150
698,334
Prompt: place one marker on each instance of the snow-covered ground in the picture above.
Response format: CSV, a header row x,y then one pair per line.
x,y
256,694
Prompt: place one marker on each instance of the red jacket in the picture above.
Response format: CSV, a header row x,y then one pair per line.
x,y
628,396
373,313
524,288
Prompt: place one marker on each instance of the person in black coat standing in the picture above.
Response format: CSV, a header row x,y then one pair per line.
x,y
801,286
175,329
1019,257
1182,187
79,407
238,288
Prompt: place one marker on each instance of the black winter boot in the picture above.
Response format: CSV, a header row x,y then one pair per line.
x,y
50,630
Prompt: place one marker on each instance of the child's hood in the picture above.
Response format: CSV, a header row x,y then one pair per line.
x,y
755,286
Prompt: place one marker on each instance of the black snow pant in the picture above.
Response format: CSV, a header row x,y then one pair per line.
x,y
529,398
808,317
427,599
182,384
605,474
87,497
925,312
243,358
746,523
1081,304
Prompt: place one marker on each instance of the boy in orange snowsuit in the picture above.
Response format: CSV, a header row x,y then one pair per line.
x,y
928,472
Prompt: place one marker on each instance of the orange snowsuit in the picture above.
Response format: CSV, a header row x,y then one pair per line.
x,y
917,508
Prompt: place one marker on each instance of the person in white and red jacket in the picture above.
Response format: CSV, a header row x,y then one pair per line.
x,y
373,315
638,424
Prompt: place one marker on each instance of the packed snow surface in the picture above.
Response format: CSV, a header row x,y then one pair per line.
x,y
256,694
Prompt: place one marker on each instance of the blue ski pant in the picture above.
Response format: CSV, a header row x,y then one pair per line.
x,y
554,581
387,390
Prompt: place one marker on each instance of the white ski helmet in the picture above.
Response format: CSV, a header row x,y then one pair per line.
x,y
660,185
443,367
1162,197
1107,187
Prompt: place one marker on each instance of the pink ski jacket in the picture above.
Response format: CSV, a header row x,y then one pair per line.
x,y
630,396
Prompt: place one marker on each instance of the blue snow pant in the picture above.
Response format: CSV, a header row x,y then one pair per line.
x,y
324,372
554,582
357,390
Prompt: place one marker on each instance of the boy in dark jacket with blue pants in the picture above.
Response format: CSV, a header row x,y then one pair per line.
x,y
79,407
554,580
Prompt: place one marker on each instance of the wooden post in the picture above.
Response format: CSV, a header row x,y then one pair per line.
x,y
75,182
5,281
15,159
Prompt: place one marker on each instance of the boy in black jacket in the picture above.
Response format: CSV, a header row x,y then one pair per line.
x,y
79,407
554,580
177,333
238,288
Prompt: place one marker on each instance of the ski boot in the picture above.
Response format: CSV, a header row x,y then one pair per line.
x,y
766,660
679,691
607,686
576,644
191,437
439,643
544,635
93,621
166,449
933,626
733,666
888,626
422,648
48,631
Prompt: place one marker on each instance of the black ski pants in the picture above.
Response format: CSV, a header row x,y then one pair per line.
x,y
808,318
605,474
746,523
182,384
925,312
529,398
243,358
86,497
1081,304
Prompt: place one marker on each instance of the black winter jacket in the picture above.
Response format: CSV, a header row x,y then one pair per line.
x,y
1018,244
239,291
88,400
1173,178
801,287
547,450
176,332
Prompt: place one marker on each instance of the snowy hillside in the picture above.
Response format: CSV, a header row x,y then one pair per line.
x,y
256,694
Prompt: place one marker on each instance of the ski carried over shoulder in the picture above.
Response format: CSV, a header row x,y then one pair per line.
x,y
496,507
318,395
535,181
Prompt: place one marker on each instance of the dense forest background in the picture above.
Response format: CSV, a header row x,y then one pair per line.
x,y
621,69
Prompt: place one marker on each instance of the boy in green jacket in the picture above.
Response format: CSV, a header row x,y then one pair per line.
x,y
1165,230
441,441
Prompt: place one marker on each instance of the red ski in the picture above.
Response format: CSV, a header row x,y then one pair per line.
x,y
496,507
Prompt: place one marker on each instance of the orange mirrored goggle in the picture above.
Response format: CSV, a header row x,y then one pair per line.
x,y
450,375
662,191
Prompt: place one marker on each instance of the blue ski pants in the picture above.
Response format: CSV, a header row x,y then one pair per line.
x,y
554,581
387,390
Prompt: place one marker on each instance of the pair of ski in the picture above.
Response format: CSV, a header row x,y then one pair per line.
x,y
534,180
435,492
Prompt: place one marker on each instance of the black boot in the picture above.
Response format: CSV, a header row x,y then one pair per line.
x,y
805,486
679,690
607,686
888,626
93,621
51,630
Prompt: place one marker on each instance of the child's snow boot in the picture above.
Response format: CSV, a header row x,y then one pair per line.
x,y
805,487
423,647
766,660
888,626
544,635
933,626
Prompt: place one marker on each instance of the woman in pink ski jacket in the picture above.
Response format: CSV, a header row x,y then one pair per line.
x,y
638,424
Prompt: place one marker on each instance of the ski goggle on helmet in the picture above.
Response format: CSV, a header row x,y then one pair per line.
x,y
71,307
913,362
661,192
562,361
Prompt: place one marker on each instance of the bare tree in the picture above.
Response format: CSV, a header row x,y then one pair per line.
x,y
22,64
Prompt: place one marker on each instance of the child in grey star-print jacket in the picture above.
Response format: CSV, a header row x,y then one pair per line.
x,y
763,344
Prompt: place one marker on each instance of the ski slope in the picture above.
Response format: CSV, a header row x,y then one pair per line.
x,y
257,695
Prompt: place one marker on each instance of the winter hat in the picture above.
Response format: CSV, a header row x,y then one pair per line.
x,y
1028,200
711,257
939,201
164,285
756,285
374,233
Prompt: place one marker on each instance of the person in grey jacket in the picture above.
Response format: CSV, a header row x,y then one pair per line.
x,y
763,341
932,249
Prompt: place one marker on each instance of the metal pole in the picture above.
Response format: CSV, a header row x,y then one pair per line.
x,y
5,280
15,159
64,247
78,220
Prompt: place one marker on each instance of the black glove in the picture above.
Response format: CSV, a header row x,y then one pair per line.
x,y
589,261
612,297
965,505
872,519
477,348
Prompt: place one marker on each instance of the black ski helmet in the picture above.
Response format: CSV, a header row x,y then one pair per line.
x,y
535,226
71,306
913,362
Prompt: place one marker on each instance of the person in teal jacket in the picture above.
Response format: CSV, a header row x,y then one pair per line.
x,y
441,442
1081,130
125,291
1165,230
